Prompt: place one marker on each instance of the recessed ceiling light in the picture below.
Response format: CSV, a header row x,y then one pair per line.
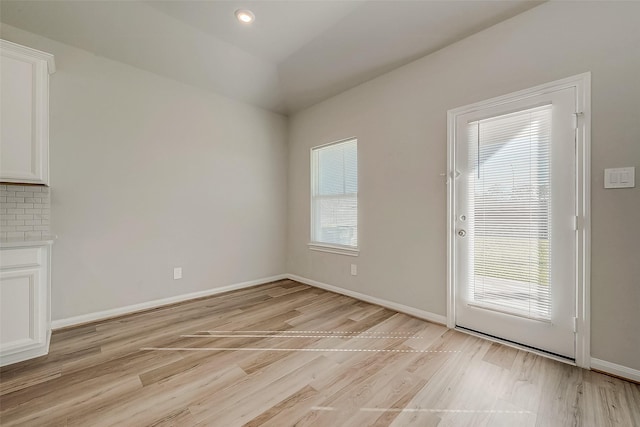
x,y
245,16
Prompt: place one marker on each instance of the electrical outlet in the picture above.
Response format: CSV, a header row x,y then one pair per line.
x,y
354,269
177,273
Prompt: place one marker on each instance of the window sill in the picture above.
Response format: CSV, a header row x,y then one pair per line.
x,y
340,250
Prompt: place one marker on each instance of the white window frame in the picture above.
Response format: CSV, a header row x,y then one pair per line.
x,y
321,246
582,83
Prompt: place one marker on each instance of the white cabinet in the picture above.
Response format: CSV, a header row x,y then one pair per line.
x,y
25,313
24,114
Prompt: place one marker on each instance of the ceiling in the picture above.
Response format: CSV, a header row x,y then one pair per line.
x,y
295,54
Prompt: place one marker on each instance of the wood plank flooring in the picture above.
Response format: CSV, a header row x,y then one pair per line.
x,y
285,354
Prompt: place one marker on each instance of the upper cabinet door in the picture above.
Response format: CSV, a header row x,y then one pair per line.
x,y
24,114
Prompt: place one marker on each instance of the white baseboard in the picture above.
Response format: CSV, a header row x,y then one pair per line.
x,y
106,314
120,311
421,314
615,369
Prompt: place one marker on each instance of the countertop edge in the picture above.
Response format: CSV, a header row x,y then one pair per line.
x,y
48,240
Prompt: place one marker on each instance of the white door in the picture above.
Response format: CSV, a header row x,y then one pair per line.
x,y
514,207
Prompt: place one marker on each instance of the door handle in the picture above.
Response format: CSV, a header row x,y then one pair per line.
x,y
462,233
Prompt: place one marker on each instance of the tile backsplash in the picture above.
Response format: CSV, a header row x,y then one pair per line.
x,y
25,212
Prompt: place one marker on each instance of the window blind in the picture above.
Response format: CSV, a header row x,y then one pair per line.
x,y
334,197
510,212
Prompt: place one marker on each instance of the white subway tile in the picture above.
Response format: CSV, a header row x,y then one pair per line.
x,y
16,187
25,211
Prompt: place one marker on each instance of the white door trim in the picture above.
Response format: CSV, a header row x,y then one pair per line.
x,y
582,83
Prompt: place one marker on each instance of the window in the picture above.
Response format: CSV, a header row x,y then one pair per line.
x,y
334,197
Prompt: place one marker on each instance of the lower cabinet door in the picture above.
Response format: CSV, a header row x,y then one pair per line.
x,y
23,315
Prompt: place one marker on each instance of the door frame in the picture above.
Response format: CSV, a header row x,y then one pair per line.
x,y
582,83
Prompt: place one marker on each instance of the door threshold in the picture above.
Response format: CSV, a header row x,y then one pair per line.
x,y
518,346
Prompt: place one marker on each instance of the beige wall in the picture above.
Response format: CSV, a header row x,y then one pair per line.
x,y
148,174
400,121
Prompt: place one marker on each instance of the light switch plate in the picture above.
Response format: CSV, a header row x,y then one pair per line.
x,y
620,178
177,273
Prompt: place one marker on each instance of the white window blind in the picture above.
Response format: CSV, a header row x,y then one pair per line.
x,y
510,212
334,194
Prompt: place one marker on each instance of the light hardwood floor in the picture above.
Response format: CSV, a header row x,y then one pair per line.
x,y
288,354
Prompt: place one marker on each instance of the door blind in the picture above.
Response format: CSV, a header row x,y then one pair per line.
x,y
510,212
